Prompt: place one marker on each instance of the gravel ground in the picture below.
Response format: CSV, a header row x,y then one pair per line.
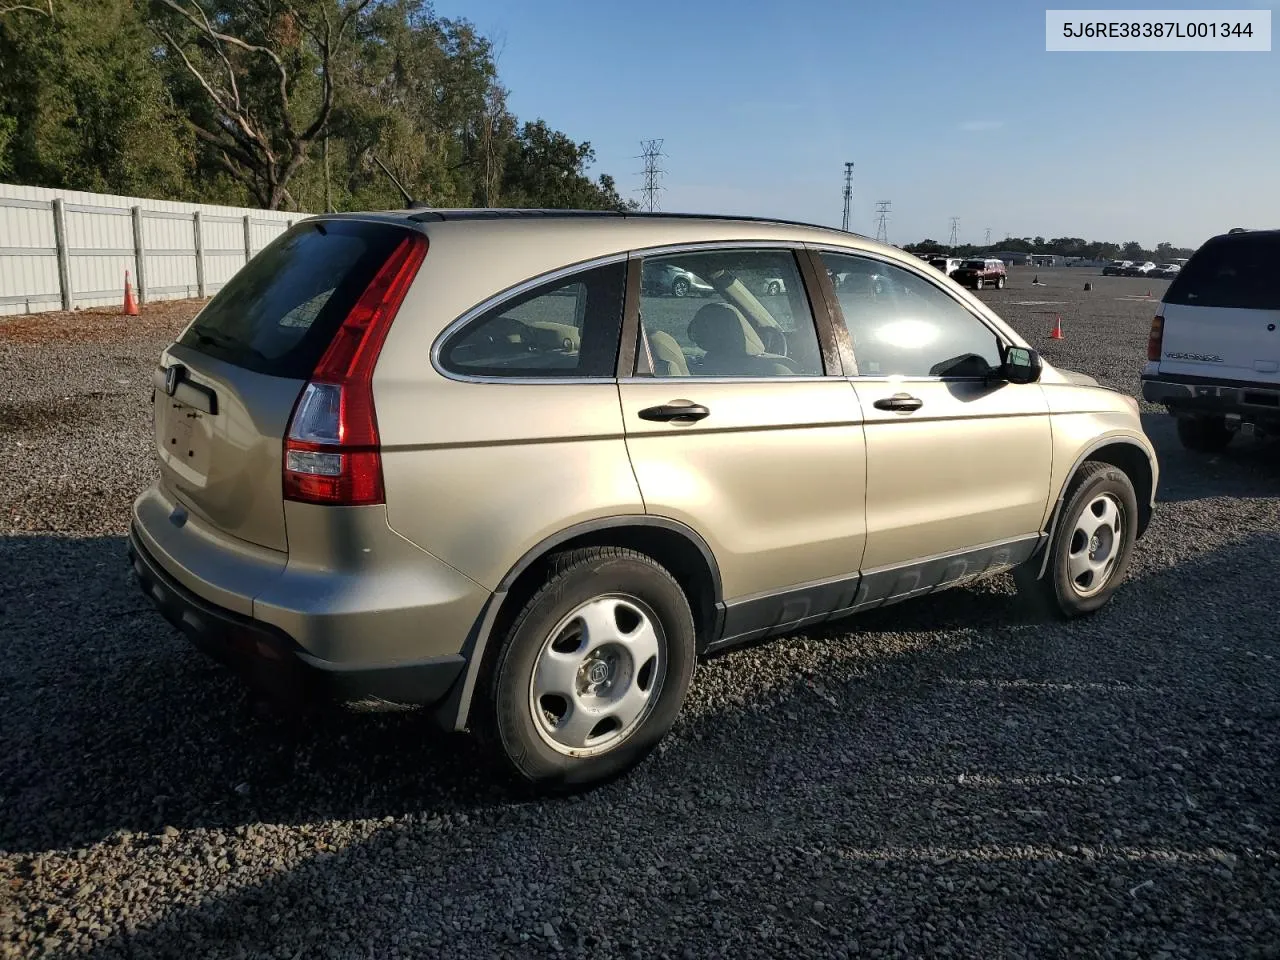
x,y
948,777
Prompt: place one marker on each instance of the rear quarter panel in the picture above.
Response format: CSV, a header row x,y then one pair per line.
x,y
477,474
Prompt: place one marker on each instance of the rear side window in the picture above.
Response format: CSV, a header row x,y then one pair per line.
x,y
277,315
569,327
1240,272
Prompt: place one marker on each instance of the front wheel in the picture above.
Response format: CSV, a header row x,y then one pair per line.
x,y
1091,547
1000,283
593,671
680,287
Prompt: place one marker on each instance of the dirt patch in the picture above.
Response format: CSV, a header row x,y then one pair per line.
x,y
164,318
27,418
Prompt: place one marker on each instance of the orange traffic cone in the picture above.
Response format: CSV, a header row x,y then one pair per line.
x,y
130,304
1057,330
1148,293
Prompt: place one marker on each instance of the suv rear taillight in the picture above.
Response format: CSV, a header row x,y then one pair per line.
x,y
1155,342
331,449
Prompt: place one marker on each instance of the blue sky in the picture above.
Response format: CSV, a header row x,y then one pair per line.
x,y
946,109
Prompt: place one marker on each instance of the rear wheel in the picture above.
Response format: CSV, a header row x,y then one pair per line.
x,y
1091,546
680,287
1203,434
1000,283
593,671
978,284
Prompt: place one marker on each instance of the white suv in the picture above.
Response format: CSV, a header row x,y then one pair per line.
x,y
1214,350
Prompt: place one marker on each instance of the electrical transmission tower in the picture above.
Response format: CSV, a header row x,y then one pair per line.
x,y
955,232
882,220
651,153
848,195
988,236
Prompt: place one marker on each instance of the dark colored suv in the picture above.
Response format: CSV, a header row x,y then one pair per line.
x,y
981,273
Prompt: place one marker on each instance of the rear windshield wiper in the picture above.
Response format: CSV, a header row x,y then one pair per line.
x,y
214,338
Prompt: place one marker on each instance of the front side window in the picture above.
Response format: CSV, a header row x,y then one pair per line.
x,y
727,313
904,326
568,327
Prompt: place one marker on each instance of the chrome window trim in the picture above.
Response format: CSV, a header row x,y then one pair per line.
x,y
626,381
871,255
698,246
510,293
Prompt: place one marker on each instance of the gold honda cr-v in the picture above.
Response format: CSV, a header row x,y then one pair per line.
x,y
524,467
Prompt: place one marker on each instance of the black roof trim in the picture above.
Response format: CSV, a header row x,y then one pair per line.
x,y
514,213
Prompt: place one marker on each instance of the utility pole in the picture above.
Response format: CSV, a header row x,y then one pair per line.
x,y
988,236
955,233
651,153
882,220
848,195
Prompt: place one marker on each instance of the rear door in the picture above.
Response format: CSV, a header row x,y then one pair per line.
x,y
1222,311
768,464
227,388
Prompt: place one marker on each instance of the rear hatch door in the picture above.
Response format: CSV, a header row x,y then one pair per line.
x,y
225,391
1222,311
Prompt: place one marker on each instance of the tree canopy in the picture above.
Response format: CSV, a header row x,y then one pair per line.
x,y
282,104
1062,246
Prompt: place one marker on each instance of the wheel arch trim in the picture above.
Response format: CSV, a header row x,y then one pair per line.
x,y
452,713
1081,459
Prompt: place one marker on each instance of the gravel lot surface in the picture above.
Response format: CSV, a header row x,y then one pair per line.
x,y
948,777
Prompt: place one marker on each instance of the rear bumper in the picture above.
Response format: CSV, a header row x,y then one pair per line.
x,y
271,662
1252,403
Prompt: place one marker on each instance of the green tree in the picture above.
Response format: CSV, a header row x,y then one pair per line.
x,y
83,106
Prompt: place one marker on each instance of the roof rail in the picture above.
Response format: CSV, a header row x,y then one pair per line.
x,y
517,213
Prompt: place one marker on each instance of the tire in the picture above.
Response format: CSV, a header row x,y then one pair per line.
x,y
977,284
774,289
1204,434
679,287
1000,283
1088,555
529,716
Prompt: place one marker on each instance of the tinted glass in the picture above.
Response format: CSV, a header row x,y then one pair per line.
x,y
903,325
565,328
727,313
1242,271
279,312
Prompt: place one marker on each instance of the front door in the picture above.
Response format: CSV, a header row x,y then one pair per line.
x,y
734,429
958,467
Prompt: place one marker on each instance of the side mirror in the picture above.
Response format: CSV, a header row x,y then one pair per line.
x,y
1021,365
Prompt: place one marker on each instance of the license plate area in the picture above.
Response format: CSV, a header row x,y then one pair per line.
x,y
185,438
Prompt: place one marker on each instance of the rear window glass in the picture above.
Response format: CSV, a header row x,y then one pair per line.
x,y
1242,272
277,315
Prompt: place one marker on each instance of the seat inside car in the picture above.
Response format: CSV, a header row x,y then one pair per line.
x,y
733,348
668,358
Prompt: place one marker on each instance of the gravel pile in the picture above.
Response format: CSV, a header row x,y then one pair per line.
x,y
948,777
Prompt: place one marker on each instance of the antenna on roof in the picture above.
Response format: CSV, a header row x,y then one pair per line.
x,y
408,200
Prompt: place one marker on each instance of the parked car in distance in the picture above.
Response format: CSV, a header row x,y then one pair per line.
x,y
1116,267
1165,271
400,466
948,265
1214,350
771,286
1138,269
981,273
666,279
